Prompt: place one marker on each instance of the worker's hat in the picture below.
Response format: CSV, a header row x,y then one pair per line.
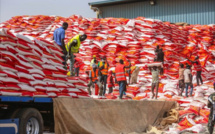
x,y
94,56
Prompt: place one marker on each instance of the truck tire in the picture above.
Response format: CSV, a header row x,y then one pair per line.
x,y
30,121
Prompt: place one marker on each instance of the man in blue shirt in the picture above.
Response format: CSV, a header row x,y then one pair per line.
x,y
58,37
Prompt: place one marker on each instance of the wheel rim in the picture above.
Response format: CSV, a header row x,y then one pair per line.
x,y
32,126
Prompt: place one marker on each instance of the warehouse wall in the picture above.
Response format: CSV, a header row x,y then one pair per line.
x,y
190,11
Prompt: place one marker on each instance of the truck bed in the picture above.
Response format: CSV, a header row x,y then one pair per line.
x,y
25,99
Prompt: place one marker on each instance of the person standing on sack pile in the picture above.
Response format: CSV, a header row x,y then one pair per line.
x,y
92,61
74,71
188,80
157,50
181,78
103,67
211,120
73,47
120,76
110,82
58,37
160,58
155,80
198,68
94,79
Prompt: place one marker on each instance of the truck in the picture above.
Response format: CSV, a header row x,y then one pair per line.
x,y
26,115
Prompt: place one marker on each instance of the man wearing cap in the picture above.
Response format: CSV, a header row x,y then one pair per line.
x,y
94,75
120,76
103,67
73,47
92,61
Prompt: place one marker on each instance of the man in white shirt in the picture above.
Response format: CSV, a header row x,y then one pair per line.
x,y
188,80
155,80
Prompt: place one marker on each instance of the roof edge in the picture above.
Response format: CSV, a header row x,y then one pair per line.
x,y
110,2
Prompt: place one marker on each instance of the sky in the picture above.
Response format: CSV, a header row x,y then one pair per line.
x,y
65,8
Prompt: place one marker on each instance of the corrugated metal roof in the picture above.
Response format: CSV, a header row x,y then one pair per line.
x,y
111,2
190,11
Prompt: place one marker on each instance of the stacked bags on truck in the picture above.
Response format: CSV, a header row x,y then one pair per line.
x,y
32,67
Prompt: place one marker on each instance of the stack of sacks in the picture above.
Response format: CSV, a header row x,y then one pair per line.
x,y
130,39
145,33
31,67
193,114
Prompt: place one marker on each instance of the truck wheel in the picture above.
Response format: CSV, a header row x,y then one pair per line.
x,y
30,121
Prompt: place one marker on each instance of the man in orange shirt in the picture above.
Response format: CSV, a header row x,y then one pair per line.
x,y
94,75
120,76
110,82
103,67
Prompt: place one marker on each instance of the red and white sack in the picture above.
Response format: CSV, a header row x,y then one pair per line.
x,y
12,87
8,80
73,90
40,88
59,74
36,71
60,85
3,74
52,95
21,69
196,129
40,94
10,74
154,64
38,83
4,66
26,76
49,67
10,93
52,89
26,87
38,77
73,94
